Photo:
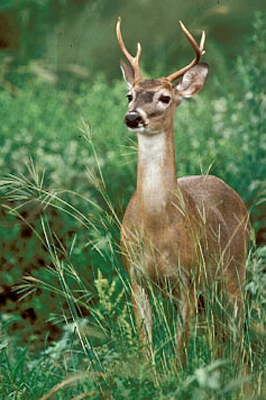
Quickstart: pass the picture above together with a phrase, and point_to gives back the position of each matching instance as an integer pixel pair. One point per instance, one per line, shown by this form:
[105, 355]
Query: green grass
[100, 355]
[68, 169]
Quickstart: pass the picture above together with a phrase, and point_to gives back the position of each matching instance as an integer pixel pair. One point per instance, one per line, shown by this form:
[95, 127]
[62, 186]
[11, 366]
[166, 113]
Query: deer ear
[128, 74]
[193, 81]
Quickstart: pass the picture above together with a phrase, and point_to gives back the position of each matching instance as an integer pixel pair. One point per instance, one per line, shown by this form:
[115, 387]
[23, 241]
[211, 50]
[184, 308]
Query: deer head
[152, 102]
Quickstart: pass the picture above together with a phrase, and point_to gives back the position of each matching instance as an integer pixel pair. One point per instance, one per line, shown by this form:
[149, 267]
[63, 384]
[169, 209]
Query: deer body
[188, 231]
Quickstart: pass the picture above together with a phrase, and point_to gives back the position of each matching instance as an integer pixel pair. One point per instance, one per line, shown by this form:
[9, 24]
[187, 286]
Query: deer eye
[129, 97]
[164, 99]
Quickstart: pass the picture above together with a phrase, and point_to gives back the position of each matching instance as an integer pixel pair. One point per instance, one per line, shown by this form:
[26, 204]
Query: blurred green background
[59, 63]
[64, 34]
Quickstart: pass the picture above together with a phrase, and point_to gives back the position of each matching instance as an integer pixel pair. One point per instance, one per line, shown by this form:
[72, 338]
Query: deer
[180, 233]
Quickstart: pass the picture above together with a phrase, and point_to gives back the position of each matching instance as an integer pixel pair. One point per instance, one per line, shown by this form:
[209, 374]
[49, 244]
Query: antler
[134, 61]
[198, 49]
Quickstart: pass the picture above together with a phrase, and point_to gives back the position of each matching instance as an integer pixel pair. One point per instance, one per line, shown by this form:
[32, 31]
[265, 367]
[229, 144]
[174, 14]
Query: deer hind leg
[226, 308]
[235, 275]
[143, 316]
[236, 299]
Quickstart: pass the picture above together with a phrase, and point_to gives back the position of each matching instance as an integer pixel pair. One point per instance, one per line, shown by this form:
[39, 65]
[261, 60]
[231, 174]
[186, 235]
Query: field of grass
[68, 169]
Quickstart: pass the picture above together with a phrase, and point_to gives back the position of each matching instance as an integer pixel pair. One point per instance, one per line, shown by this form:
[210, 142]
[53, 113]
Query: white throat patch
[151, 160]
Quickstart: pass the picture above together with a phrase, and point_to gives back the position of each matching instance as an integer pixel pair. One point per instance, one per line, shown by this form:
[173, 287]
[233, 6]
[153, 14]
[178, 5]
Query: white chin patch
[144, 130]
[141, 129]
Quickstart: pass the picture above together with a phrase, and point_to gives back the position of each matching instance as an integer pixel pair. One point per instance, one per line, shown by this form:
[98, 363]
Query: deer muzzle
[133, 120]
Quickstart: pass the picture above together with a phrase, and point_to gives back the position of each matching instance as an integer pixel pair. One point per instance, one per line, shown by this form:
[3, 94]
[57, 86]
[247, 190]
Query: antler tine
[198, 49]
[134, 61]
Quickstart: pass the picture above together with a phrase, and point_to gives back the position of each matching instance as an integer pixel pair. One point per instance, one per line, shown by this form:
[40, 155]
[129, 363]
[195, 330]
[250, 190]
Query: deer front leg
[143, 316]
[183, 308]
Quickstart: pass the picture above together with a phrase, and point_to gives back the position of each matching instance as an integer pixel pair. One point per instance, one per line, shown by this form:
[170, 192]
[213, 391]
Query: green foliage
[94, 357]
[63, 33]
[68, 168]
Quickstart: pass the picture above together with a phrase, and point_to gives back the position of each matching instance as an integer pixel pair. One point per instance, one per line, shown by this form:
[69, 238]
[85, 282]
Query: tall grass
[65, 221]
[100, 356]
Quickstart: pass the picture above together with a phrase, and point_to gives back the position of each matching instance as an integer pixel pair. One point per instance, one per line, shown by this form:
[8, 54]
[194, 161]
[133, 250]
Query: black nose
[133, 119]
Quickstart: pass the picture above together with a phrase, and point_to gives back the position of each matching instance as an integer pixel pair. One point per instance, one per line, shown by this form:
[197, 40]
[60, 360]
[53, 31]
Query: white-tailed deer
[180, 233]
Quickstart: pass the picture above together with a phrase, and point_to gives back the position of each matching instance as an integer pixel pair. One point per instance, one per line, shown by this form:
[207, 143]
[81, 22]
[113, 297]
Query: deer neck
[156, 181]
